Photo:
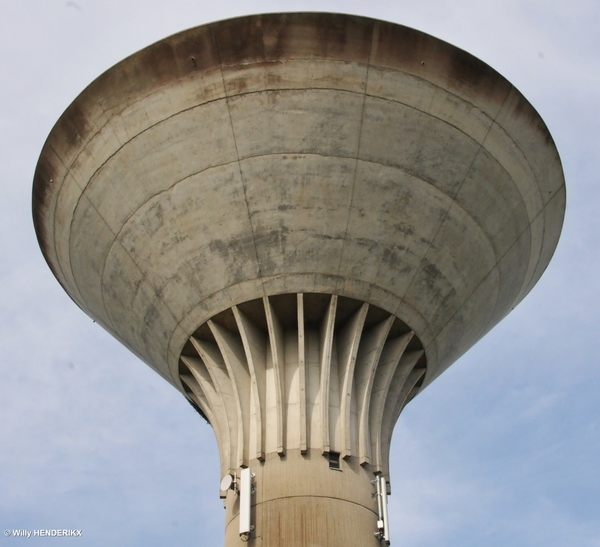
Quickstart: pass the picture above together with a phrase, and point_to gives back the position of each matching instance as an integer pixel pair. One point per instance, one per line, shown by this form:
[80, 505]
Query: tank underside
[303, 372]
[292, 153]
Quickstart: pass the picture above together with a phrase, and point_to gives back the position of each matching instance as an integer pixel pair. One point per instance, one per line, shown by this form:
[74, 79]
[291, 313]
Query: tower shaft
[299, 501]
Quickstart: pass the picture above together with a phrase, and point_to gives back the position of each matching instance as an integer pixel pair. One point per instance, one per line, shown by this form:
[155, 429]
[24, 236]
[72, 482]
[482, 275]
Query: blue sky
[502, 449]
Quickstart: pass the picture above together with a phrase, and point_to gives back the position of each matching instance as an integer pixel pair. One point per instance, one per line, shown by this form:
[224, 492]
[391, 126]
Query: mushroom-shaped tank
[299, 221]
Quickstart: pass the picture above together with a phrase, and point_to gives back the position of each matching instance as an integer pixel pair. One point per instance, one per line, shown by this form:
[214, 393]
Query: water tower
[299, 221]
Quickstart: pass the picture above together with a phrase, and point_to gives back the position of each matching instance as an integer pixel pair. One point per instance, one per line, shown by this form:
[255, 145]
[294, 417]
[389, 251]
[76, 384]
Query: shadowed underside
[294, 153]
[398, 195]
[301, 372]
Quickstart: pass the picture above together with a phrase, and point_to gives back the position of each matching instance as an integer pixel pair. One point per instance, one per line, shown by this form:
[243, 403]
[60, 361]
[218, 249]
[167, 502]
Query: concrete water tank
[299, 221]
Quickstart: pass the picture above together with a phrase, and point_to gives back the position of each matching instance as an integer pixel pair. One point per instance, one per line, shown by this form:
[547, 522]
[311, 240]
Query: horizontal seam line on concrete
[157, 289]
[429, 371]
[225, 164]
[271, 500]
[490, 272]
[226, 98]
[415, 312]
[263, 91]
[166, 86]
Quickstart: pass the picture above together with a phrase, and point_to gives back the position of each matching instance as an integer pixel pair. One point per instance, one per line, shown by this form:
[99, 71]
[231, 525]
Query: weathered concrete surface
[297, 153]
[299, 501]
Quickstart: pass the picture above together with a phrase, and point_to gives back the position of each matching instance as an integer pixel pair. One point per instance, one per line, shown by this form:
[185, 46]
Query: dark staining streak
[155, 66]
[151, 318]
[239, 42]
[73, 126]
[364, 242]
[404, 48]
[274, 80]
[219, 246]
[43, 182]
[276, 37]
[43, 179]
[521, 108]
[404, 228]
[199, 45]
[237, 86]
[325, 237]
[432, 271]
[236, 254]
[159, 63]
[400, 46]
[273, 238]
[393, 257]
[441, 312]
[468, 71]
[159, 292]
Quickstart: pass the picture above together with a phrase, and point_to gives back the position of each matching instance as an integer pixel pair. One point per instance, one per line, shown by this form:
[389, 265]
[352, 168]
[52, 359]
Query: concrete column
[300, 502]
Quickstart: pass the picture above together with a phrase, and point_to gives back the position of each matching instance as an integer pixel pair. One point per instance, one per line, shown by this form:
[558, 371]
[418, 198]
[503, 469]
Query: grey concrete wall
[299, 501]
[298, 153]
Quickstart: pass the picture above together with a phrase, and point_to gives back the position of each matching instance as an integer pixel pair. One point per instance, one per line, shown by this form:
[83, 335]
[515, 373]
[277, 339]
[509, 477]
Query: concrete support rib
[368, 364]
[386, 370]
[302, 374]
[237, 368]
[276, 345]
[224, 404]
[210, 403]
[255, 349]
[197, 396]
[404, 380]
[326, 346]
[348, 343]
[368, 359]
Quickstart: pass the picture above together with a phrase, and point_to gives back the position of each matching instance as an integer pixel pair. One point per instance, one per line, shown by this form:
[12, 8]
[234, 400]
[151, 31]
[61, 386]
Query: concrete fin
[276, 341]
[225, 402]
[404, 380]
[209, 350]
[326, 343]
[388, 363]
[348, 342]
[367, 360]
[302, 374]
[233, 355]
[199, 397]
[254, 342]
[199, 370]
[210, 403]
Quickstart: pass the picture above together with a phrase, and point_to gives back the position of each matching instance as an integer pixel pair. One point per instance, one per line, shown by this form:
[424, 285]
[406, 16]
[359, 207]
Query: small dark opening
[334, 460]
